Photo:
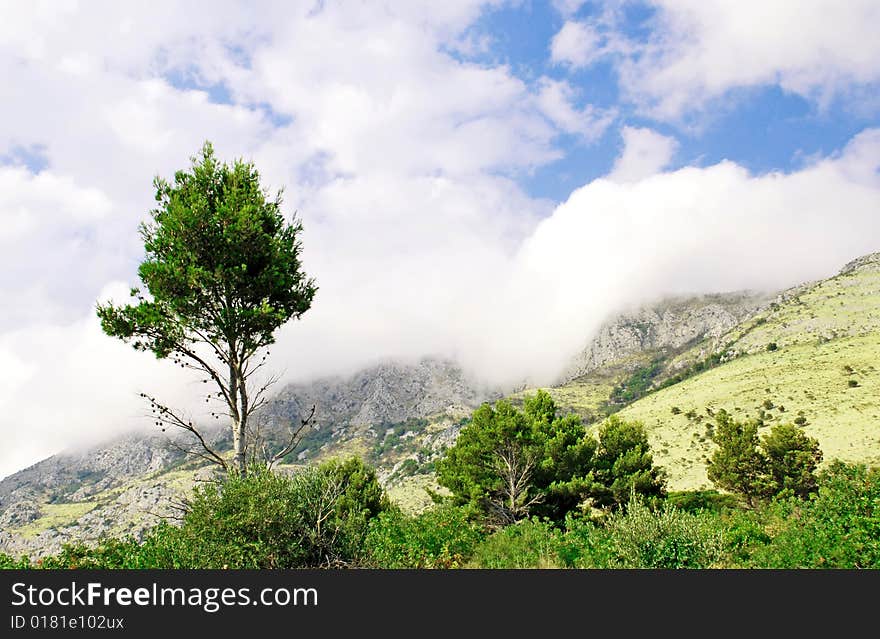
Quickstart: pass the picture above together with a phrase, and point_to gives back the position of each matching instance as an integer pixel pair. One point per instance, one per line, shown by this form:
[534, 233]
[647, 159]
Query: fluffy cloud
[699, 50]
[645, 152]
[693, 230]
[577, 44]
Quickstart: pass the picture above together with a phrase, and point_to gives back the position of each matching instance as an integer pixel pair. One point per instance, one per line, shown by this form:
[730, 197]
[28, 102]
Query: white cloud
[555, 101]
[577, 44]
[699, 50]
[568, 7]
[645, 152]
[693, 230]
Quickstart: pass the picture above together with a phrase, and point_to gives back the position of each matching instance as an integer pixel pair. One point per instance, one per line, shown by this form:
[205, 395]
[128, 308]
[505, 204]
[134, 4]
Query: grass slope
[803, 378]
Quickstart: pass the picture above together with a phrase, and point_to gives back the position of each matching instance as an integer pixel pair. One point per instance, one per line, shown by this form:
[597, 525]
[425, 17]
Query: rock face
[673, 324]
[74, 476]
[386, 393]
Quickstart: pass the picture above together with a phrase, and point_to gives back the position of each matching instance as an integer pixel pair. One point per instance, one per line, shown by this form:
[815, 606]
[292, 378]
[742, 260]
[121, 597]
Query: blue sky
[486, 181]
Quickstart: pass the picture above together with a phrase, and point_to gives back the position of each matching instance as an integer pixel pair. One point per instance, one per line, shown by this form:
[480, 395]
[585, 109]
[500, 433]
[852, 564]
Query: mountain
[126, 485]
[808, 354]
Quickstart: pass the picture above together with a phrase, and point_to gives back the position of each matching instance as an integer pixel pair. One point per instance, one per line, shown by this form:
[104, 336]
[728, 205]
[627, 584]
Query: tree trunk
[238, 449]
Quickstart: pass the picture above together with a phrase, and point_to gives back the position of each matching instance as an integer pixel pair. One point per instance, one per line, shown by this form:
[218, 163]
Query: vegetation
[222, 273]
[508, 465]
[783, 462]
[265, 520]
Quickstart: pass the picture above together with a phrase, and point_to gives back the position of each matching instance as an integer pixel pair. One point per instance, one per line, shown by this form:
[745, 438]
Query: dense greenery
[838, 526]
[443, 537]
[222, 272]
[316, 517]
[508, 465]
[781, 462]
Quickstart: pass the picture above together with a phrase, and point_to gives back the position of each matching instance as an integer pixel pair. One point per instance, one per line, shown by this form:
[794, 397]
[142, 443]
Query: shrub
[772, 347]
[695, 500]
[442, 537]
[316, 517]
[529, 543]
[664, 538]
[839, 527]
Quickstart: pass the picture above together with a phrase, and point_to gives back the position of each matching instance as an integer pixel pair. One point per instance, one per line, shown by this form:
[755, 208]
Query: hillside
[813, 354]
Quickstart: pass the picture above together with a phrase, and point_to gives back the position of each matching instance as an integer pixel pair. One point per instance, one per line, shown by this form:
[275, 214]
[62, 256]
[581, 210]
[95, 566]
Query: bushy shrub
[7, 562]
[442, 537]
[316, 517]
[527, 544]
[641, 537]
[839, 527]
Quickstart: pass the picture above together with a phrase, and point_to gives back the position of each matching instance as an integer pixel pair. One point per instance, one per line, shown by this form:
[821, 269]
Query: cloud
[576, 44]
[698, 51]
[568, 7]
[555, 101]
[694, 230]
[645, 152]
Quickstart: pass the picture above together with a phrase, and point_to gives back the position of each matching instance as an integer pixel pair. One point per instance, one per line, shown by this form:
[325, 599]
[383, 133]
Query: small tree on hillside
[791, 460]
[783, 461]
[737, 465]
[510, 464]
[623, 465]
[222, 273]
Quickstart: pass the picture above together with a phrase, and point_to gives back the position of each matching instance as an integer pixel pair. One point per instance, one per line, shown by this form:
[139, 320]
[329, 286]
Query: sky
[486, 181]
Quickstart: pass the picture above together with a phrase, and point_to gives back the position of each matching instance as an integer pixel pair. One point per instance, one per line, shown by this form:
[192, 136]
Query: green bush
[837, 528]
[527, 544]
[695, 500]
[8, 562]
[316, 517]
[442, 537]
[639, 537]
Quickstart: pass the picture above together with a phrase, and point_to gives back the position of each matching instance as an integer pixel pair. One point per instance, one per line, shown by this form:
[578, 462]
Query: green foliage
[783, 462]
[791, 461]
[221, 261]
[8, 562]
[839, 527]
[772, 347]
[737, 464]
[316, 517]
[623, 466]
[640, 537]
[222, 272]
[638, 384]
[696, 500]
[508, 464]
[530, 543]
[442, 537]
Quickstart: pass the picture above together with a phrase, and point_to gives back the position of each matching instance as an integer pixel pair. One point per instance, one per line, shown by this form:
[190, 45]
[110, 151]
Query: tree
[509, 464]
[222, 273]
[783, 461]
[623, 465]
[791, 460]
[737, 465]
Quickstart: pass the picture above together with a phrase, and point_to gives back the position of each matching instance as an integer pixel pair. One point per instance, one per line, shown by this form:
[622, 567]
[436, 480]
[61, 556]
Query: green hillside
[813, 354]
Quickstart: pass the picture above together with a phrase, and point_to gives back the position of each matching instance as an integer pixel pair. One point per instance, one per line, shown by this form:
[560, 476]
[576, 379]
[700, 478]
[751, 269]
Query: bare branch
[168, 417]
